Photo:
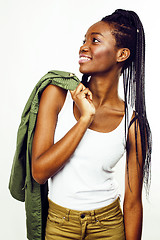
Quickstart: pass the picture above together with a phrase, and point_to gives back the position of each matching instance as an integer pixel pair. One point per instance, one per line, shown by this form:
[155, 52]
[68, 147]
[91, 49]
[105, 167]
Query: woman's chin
[84, 70]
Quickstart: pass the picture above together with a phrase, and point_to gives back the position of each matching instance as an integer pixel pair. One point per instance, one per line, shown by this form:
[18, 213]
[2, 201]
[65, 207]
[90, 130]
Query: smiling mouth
[83, 59]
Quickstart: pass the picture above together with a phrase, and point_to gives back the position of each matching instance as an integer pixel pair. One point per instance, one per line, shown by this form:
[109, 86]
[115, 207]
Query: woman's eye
[95, 40]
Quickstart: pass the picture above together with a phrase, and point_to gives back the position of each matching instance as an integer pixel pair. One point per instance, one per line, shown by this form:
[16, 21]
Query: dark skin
[97, 107]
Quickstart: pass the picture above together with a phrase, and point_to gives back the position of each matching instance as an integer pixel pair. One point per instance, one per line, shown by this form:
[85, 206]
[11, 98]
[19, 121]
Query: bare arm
[133, 210]
[47, 157]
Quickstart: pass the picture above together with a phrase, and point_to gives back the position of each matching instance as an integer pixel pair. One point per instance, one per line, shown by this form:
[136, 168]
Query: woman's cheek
[104, 53]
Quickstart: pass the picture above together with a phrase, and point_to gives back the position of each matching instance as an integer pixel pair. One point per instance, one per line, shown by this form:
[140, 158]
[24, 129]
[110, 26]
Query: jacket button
[82, 215]
[71, 74]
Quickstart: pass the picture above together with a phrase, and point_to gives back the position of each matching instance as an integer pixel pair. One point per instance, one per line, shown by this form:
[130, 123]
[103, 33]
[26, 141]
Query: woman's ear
[123, 54]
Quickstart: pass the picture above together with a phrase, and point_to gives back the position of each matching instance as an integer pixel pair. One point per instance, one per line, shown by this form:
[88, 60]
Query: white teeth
[86, 58]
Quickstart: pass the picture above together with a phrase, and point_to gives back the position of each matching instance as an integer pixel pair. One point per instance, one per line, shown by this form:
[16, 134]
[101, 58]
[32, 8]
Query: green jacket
[21, 185]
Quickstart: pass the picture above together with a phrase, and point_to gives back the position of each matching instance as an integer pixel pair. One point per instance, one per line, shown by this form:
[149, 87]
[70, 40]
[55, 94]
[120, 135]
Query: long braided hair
[129, 33]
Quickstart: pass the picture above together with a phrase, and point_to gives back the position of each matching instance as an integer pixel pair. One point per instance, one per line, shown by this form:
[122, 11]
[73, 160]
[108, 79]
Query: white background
[41, 35]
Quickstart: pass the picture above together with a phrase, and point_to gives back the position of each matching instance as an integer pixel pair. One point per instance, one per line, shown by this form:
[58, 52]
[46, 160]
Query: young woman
[87, 131]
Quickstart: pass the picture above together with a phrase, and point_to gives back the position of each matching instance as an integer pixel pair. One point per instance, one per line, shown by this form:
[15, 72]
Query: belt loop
[93, 219]
[67, 214]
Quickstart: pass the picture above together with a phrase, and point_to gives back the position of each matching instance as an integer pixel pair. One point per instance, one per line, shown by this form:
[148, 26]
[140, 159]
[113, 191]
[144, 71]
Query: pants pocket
[112, 221]
[55, 219]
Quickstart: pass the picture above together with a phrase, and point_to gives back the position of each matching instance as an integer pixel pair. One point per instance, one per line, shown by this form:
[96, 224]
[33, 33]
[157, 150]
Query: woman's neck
[104, 88]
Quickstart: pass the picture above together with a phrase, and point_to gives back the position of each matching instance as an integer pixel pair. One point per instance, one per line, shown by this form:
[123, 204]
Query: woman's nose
[84, 48]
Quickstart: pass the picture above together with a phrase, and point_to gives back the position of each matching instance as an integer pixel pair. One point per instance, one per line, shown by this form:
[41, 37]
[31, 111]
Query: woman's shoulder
[53, 97]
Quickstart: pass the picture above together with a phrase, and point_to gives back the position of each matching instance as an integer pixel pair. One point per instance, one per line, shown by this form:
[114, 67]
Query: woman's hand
[82, 97]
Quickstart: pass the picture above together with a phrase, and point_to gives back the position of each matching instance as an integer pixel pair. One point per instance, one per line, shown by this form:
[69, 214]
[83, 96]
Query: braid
[129, 33]
[85, 80]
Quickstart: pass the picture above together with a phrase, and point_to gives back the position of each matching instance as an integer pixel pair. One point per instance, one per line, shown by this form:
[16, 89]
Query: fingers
[81, 91]
[82, 97]
[78, 89]
[87, 93]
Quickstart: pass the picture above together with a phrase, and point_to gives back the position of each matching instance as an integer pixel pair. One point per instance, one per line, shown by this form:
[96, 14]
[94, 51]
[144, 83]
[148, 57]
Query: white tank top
[86, 182]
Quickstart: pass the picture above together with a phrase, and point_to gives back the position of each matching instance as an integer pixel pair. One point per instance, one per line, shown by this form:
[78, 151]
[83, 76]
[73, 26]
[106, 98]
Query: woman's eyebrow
[96, 33]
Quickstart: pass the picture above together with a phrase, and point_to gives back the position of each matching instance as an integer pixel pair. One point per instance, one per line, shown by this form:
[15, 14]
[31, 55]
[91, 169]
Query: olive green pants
[104, 223]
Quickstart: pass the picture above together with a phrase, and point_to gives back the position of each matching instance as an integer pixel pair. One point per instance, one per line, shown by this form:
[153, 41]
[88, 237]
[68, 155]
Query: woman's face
[98, 54]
